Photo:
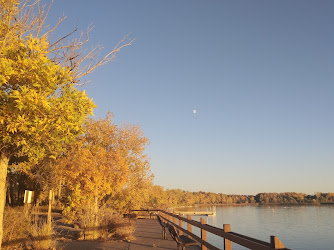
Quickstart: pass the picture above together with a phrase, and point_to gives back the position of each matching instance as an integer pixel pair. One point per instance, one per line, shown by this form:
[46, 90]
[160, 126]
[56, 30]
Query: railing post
[276, 243]
[203, 234]
[227, 243]
[180, 224]
[189, 225]
[174, 219]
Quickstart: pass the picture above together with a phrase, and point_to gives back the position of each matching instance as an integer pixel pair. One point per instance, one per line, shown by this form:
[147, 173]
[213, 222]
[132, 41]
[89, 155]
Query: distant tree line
[177, 197]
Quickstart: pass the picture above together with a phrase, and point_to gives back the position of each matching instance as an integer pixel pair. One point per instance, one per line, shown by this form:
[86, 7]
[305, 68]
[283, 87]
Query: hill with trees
[178, 197]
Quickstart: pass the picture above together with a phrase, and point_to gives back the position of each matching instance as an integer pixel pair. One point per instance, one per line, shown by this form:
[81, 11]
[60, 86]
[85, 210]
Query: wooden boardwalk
[148, 234]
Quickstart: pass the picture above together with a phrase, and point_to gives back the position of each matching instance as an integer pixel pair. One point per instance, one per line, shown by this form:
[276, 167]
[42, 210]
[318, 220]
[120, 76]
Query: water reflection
[298, 227]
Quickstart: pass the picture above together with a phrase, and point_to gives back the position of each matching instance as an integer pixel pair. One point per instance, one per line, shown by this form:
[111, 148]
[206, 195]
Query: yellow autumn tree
[135, 193]
[158, 197]
[41, 111]
[104, 162]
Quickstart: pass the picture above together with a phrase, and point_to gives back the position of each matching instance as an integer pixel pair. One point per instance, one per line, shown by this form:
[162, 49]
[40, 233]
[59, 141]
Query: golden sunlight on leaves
[41, 110]
[107, 165]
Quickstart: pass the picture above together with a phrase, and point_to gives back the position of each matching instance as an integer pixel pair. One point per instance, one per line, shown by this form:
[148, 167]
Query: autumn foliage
[46, 137]
[48, 140]
[159, 197]
[104, 167]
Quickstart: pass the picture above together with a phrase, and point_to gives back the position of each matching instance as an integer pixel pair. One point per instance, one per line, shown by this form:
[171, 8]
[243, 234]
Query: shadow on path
[147, 235]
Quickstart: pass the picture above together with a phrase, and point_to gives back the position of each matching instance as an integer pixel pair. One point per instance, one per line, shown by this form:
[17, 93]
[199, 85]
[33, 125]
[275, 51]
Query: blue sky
[259, 73]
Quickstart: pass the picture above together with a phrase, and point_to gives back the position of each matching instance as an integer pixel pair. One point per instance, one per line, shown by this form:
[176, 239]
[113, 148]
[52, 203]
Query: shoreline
[252, 204]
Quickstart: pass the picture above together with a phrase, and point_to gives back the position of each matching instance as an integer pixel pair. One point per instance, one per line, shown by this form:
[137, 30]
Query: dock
[199, 213]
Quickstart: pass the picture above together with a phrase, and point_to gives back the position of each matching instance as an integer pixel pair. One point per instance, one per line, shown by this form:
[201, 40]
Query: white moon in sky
[194, 111]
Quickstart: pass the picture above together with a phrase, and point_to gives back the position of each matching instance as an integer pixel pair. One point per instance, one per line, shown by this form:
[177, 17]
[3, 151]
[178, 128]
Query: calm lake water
[298, 227]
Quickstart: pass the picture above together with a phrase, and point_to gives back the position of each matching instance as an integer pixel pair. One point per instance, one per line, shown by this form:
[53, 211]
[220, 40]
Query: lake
[297, 226]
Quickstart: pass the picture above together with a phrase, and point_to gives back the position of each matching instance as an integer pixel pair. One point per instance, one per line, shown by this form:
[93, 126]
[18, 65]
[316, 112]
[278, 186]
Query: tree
[106, 164]
[131, 143]
[158, 197]
[41, 111]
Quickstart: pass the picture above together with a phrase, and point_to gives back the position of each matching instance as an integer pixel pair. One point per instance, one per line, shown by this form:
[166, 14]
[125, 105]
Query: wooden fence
[227, 235]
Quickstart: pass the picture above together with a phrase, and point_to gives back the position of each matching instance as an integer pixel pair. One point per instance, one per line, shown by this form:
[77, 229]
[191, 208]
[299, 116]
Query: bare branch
[66, 51]
[64, 37]
[124, 42]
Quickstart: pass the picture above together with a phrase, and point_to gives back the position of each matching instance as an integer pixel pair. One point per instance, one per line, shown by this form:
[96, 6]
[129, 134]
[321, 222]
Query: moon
[194, 111]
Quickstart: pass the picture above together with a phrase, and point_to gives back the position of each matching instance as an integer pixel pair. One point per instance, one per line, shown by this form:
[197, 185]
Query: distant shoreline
[256, 204]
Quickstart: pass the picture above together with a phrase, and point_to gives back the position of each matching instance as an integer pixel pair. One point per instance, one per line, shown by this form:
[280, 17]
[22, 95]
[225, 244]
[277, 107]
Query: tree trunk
[50, 208]
[11, 194]
[4, 159]
[7, 193]
[96, 224]
[59, 190]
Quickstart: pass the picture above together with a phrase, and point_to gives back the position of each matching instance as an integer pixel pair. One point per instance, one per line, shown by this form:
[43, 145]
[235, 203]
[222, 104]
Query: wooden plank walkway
[147, 233]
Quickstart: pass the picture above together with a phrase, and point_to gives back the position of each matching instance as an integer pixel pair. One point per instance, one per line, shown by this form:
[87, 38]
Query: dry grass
[105, 225]
[23, 232]
[41, 235]
[114, 226]
[89, 220]
[15, 228]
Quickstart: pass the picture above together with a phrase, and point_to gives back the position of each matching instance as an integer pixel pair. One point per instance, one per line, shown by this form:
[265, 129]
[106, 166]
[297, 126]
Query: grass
[114, 226]
[105, 225]
[24, 231]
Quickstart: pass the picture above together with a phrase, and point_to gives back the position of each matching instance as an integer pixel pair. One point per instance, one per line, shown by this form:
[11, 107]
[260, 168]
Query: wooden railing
[227, 235]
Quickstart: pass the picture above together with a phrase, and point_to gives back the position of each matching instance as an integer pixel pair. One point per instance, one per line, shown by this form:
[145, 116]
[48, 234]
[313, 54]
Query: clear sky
[260, 75]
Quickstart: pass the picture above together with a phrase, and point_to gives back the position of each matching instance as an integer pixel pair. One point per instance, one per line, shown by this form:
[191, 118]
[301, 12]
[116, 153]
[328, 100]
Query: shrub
[16, 225]
[41, 235]
[105, 224]
[22, 231]
[114, 226]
